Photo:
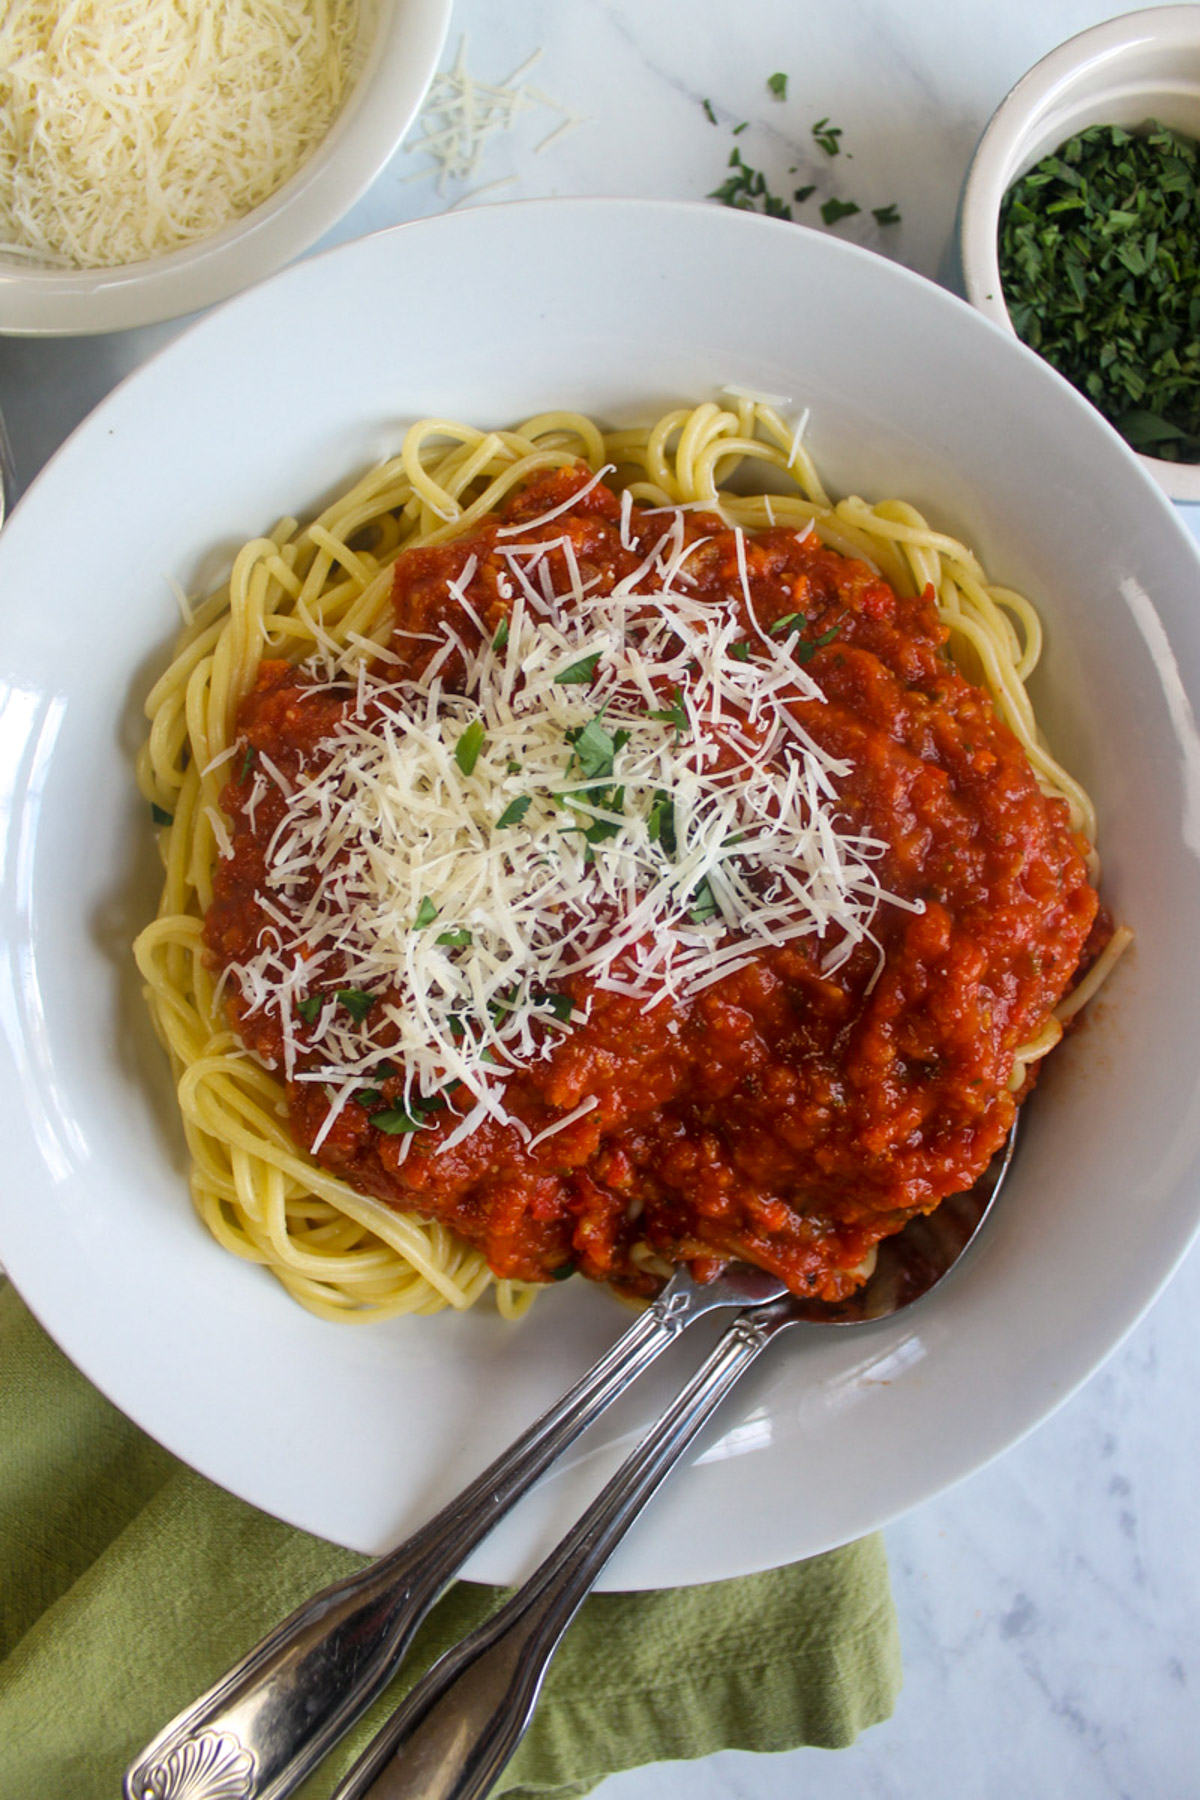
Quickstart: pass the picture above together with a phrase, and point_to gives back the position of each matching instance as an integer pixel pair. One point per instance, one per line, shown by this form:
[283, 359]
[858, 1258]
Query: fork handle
[453, 1735]
[264, 1726]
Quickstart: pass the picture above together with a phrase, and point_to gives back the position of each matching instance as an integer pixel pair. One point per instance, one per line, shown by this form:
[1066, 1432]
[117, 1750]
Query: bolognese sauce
[817, 1087]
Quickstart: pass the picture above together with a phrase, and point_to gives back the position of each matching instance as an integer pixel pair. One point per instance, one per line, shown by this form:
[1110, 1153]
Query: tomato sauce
[783, 1116]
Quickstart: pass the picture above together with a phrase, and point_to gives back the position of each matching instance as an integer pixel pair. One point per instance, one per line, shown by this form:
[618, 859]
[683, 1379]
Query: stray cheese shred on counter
[129, 128]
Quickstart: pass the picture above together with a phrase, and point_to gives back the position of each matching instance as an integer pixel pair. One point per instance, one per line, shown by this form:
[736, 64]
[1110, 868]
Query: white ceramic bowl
[358, 1433]
[1144, 65]
[400, 42]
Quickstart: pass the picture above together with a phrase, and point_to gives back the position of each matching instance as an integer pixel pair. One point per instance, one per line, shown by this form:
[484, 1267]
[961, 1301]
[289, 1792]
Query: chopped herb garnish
[561, 1005]
[801, 194]
[709, 114]
[835, 209]
[309, 1008]
[703, 906]
[738, 129]
[827, 136]
[160, 815]
[457, 939]
[777, 85]
[787, 622]
[740, 651]
[660, 821]
[395, 1120]
[579, 672]
[500, 640]
[515, 811]
[562, 1272]
[413, 1117]
[886, 215]
[357, 1003]
[1100, 263]
[747, 189]
[426, 913]
[466, 751]
[595, 747]
[247, 763]
[675, 715]
[807, 648]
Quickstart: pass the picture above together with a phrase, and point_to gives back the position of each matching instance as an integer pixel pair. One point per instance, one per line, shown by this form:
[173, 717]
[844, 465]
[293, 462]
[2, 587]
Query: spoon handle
[454, 1734]
[263, 1727]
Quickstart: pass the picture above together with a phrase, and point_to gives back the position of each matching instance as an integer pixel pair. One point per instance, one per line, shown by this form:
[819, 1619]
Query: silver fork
[265, 1724]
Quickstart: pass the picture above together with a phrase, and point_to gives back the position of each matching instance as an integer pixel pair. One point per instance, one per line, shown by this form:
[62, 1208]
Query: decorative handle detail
[208, 1767]
[289, 1700]
[453, 1735]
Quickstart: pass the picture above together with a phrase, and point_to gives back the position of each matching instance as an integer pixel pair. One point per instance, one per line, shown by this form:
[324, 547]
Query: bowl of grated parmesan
[157, 156]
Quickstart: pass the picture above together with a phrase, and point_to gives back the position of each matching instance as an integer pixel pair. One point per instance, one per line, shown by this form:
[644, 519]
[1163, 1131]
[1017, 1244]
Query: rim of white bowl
[1078, 83]
[407, 38]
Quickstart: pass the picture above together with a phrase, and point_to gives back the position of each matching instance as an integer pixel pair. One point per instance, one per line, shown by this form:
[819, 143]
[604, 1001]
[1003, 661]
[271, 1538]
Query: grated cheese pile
[618, 792]
[129, 128]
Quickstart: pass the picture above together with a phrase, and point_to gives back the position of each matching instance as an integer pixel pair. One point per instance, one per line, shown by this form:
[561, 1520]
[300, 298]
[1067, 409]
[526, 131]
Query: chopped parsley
[703, 905]
[160, 815]
[579, 673]
[675, 715]
[777, 85]
[747, 189]
[560, 1005]
[660, 821]
[501, 638]
[466, 751]
[828, 137]
[595, 748]
[834, 209]
[1100, 265]
[414, 1117]
[357, 1003]
[709, 114]
[426, 913]
[807, 648]
[515, 811]
[458, 939]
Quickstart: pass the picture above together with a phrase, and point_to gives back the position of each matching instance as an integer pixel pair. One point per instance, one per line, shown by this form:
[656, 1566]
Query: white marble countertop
[1049, 1606]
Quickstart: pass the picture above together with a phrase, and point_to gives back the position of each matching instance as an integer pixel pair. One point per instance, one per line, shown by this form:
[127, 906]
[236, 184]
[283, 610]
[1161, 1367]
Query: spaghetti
[322, 1121]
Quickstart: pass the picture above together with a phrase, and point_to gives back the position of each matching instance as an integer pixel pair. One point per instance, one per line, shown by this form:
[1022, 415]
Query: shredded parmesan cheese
[613, 793]
[461, 115]
[129, 128]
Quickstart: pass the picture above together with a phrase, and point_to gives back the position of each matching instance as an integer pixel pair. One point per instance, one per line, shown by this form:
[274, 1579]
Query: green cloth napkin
[128, 1583]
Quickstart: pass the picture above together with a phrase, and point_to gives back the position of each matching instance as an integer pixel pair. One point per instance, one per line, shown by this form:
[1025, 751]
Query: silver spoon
[453, 1735]
[265, 1724]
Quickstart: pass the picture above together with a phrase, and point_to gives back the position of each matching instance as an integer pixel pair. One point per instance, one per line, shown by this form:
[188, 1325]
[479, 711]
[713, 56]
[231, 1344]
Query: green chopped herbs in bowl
[1099, 248]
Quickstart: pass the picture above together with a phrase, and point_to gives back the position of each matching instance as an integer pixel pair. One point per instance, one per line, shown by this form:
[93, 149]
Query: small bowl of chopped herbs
[1080, 228]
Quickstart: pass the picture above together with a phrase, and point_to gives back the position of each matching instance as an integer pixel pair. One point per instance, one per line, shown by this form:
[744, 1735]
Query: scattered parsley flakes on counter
[1100, 265]
[827, 136]
[835, 209]
[748, 189]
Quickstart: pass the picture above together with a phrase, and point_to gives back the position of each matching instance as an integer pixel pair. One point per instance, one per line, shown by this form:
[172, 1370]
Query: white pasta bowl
[1127, 71]
[359, 1433]
[394, 60]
